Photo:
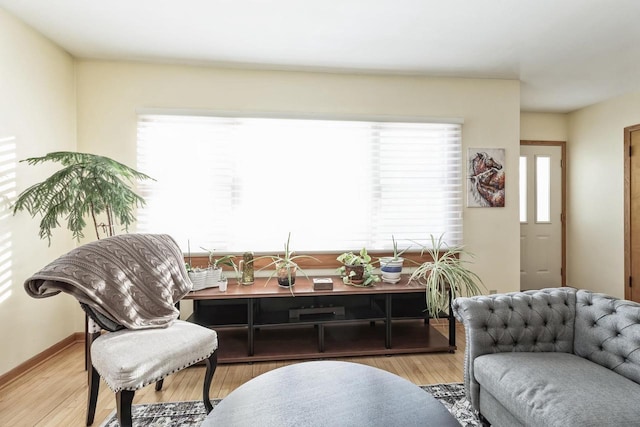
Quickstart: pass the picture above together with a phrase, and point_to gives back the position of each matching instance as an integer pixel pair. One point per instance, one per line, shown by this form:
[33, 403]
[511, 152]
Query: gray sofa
[555, 357]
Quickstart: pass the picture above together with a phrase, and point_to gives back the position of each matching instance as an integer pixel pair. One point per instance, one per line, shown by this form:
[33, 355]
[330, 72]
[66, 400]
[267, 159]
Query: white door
[540, 216]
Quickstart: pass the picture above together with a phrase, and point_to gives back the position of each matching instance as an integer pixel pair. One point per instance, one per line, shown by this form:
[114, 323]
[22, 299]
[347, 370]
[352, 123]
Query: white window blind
[242, 184]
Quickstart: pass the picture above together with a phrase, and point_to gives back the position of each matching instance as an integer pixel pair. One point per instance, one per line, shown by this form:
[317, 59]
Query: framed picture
[485, 186]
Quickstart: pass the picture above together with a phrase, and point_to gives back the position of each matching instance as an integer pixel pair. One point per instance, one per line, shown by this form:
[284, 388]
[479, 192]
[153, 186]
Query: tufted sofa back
[539, 321]
[607, 332]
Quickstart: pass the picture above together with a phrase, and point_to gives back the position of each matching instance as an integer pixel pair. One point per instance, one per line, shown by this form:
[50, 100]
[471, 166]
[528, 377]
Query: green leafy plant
[227, 260]
[446, 272]
[88, 185]
[191, 269]
[285, 265]
[357, 269]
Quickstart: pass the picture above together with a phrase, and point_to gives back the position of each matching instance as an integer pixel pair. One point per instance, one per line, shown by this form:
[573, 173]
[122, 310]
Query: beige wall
[595, 187]
[37, 115]
[595, 255]
[544, 126]
[44, 84]
[110, 94]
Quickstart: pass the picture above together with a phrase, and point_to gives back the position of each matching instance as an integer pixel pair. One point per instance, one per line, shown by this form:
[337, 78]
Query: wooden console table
[264, 322]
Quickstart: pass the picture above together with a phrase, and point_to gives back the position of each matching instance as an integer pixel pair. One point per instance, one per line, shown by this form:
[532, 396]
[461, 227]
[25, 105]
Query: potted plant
[445, 273]
[87, 185]
[391, 267]
[357, 269]
[285, 266]
[197, 275]
[214, 269]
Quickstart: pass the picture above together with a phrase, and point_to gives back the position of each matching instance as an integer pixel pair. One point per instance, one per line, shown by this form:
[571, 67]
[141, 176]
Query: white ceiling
[567, 53]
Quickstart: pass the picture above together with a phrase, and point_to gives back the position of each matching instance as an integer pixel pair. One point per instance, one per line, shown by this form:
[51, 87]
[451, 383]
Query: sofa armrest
[530, 321]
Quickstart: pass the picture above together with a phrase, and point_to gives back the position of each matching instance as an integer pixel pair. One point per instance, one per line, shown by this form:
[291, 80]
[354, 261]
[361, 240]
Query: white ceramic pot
[198, 278]
[391, 269]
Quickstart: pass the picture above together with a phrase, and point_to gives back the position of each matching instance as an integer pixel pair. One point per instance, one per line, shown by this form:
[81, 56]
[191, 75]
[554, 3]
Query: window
[523, 189]
[543, 189]
[233, 184]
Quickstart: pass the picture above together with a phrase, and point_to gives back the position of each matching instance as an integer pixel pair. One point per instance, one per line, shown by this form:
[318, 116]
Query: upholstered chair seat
[129, 360]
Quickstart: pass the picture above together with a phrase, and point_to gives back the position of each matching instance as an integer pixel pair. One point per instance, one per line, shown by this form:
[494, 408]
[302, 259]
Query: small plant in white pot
[391, 266]
[445, 273]
[214, 270]
[357, 269]
[197, 275]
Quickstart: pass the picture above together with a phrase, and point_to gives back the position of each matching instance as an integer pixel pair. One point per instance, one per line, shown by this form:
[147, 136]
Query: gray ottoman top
[329, 393]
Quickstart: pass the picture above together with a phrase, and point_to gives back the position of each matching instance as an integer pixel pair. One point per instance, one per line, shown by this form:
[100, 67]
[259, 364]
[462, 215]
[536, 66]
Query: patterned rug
[191, 414]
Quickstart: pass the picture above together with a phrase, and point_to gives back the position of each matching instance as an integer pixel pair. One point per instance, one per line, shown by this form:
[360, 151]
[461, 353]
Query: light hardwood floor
[54, 393]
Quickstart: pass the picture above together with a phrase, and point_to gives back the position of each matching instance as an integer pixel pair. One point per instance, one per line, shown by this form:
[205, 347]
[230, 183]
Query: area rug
[191, 414]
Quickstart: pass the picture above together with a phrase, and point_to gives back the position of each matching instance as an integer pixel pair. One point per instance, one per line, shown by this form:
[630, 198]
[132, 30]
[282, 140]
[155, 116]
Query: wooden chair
[129, 286]
[128, 360]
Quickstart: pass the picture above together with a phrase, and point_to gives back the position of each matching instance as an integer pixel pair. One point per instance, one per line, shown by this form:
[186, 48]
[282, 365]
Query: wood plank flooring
[54, 393]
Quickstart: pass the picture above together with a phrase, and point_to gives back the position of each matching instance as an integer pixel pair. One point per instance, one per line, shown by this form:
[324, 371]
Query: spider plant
[285, 265]
[223, 260]
[396, 253]
[446, 272]
[214, 270]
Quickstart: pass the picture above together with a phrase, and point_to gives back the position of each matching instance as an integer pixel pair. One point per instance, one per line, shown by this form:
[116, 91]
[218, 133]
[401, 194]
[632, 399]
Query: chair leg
[87, 344]
[124, 400]
[92, 398]
[484, 421]
[159, 384]
[212, 364]
[89, 339]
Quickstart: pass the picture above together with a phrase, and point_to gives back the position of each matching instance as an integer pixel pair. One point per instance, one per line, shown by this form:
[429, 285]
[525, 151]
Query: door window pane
[523, 188]
[543, 189]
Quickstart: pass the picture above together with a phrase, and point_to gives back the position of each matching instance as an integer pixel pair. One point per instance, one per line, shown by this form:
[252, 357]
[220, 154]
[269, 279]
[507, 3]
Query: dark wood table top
[263, 288]
[329, 393]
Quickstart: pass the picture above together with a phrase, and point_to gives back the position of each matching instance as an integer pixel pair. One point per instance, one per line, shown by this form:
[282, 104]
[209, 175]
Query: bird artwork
[486, 178]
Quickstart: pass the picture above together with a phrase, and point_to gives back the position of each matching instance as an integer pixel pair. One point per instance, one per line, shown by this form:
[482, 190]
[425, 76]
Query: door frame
[627, 209]
[563, 206]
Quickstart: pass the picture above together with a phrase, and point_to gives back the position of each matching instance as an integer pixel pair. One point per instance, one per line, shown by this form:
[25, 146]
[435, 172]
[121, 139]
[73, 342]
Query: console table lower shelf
[267, 323]
[340, 341]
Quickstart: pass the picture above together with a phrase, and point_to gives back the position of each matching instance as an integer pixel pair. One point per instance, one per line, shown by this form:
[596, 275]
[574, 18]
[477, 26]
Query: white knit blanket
[132, 279]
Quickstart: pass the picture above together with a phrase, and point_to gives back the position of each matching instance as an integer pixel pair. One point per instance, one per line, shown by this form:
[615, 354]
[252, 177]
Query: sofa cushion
[558, 389]
[540, 321]
[607, 332]
[495, 411]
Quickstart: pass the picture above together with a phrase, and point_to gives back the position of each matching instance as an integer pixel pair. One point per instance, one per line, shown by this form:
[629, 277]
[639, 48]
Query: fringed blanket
[132, 279]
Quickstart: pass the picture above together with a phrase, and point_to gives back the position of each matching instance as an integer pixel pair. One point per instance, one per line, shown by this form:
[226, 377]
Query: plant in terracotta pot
[357, 269]
[391, 266]
[445, 273]
[286, 266]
